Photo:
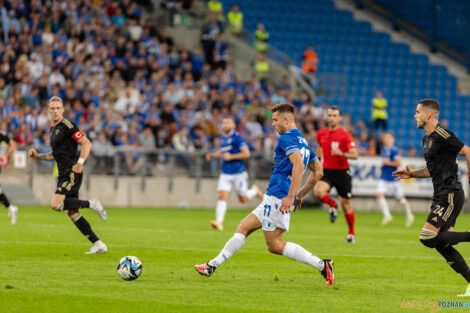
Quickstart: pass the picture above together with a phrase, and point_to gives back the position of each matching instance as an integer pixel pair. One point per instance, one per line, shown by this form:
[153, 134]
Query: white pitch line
[120, 246]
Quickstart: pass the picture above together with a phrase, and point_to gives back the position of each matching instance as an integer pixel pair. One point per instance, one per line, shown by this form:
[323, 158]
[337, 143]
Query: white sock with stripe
[295, 252]
[231, 247]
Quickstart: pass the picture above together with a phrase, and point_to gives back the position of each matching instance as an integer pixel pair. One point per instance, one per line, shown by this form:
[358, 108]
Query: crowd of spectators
[125, 83]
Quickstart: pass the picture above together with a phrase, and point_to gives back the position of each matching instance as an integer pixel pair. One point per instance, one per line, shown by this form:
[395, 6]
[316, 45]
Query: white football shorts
[269, 216]
[390, 188]
[238, 181]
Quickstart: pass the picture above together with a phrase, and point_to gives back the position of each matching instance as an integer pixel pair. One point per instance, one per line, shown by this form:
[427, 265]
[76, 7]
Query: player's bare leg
[350, 218]
[387, 217]
[220, 210]
[248, 225]
[443, 240]
[276, 244]
[57, 204]
[321, 190]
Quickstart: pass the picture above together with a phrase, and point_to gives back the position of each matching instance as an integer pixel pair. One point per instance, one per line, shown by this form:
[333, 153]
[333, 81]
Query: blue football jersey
[289, 142]
[232, 143]
[390, 154]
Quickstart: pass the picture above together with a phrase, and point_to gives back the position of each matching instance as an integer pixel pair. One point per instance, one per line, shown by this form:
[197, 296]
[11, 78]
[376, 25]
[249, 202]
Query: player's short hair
[335, 108]
[55, 99]
[283, 108]
[430, 104]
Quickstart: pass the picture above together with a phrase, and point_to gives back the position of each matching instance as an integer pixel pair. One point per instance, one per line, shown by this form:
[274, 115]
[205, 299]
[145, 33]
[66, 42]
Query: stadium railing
[146, 163]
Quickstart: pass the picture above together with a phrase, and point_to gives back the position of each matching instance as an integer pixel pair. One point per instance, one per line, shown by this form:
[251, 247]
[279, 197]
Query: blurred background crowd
[126, 83]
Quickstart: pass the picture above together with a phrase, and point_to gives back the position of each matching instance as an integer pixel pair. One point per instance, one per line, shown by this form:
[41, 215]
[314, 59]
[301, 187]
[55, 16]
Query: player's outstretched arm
[465, 151]
[297, 172]
[33, 154]
[10, 149]
[315, 175]
[243, 154]
[84, 153]
[406, 173]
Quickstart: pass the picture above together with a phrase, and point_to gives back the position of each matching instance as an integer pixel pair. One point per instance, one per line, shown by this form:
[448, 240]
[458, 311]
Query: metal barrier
[142, 162]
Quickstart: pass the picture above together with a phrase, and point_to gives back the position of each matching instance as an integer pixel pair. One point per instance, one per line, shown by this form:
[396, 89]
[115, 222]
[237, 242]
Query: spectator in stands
[261, 67]
[411, 151]
[310, 60]
[379, 111]
[261, 38]
[102, 154]
[182, 143]
[210, 32]
[216, 8]
[235, 20]
[444, 123]
[363, 144]
[221, 52]
[360, 128]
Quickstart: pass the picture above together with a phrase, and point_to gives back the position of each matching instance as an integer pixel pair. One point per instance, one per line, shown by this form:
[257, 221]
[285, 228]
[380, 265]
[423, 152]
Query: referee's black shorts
[445, 209]
[340, 179]
[69, 184]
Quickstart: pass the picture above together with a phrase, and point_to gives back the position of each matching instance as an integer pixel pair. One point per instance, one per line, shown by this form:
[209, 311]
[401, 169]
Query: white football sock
[384, 207]
[220, 210]
[251, 193]
[406, 205]
[231, 247]
[295, 252]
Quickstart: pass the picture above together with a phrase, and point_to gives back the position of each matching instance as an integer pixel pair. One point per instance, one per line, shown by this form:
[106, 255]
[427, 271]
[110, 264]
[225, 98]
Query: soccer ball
[129, 268]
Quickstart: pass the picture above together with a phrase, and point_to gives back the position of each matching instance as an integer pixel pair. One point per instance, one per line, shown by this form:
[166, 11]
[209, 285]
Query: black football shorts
[445, 209]
[340, 179]
[69, 184]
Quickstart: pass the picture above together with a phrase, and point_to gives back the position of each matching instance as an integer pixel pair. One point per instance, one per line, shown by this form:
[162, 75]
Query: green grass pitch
[43, 267]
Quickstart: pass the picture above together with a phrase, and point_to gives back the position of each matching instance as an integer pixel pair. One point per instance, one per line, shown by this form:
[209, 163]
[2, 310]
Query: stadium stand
[452, 20]
[368, 60]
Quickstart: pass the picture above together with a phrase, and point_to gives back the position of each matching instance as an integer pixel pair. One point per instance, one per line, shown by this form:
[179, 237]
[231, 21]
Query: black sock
[452, 238]
[75, 204]
[456, 261]
[83, 225]
[4, 200]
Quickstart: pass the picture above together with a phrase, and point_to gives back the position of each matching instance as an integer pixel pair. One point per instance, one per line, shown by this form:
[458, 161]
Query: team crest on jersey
[334, 145]
[430, 144]
[57, 132]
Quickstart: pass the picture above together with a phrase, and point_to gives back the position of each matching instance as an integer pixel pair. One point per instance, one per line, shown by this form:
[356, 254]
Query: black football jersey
[64, 138]
[441, 148]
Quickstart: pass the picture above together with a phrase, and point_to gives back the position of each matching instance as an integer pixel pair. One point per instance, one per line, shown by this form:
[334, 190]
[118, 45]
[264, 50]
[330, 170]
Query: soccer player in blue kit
[233, 150]
[291, 157]
[388, 185]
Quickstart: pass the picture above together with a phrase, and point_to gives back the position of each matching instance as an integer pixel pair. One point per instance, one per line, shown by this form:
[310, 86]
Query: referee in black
[441, 148]
[65, 138]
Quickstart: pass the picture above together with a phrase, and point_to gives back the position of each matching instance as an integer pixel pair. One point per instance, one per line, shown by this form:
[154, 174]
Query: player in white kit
[291, 157]
[388, 185]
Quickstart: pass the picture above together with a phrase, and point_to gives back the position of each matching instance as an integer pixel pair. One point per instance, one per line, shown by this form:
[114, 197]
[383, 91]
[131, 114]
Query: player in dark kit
[12, 210]
[441, 148]
[65, 138]
[336, 147]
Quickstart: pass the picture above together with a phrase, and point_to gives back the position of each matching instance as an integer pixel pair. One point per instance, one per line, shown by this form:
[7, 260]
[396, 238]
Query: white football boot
[98, 247]
[98, 207]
